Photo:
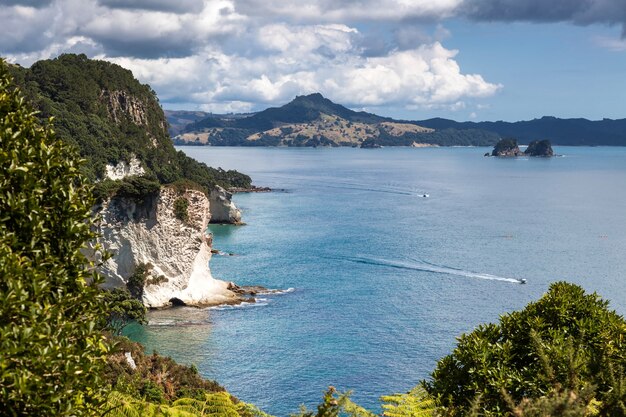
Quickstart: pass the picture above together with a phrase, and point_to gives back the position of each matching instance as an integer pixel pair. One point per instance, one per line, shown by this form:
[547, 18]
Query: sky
[409, 59]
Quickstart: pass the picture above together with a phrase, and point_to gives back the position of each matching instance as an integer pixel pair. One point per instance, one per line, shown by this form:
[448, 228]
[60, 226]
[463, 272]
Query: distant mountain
[313, 120]
[178, 120]
[578, 132]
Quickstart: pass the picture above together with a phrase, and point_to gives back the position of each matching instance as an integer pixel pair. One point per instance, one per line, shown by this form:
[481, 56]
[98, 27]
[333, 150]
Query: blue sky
[409, 59]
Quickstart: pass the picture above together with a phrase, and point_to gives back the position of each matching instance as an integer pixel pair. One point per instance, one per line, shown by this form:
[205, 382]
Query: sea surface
[381, 279]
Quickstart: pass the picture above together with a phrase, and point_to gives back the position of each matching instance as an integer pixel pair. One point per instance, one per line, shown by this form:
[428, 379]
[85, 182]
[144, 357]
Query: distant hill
[178, 120]
[313, 120]
[576, 132]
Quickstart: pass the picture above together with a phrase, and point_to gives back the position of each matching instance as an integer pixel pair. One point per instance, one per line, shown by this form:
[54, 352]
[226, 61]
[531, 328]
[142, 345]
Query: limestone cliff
[119, 128]
[123, 169]
[176, 252]
[223, 210]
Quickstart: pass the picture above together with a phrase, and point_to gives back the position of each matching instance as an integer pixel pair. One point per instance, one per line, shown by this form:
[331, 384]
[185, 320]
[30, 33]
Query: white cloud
[612, 44]
[349, 10]
[225, 54]
[423, 77]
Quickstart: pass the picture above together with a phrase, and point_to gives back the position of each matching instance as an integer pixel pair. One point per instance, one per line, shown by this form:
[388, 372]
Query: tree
[51, 352]
[566, 342]
[122, 308]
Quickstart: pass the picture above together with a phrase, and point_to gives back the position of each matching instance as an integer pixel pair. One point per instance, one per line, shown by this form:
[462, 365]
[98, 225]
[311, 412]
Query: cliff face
[223, 210]
[118, 126]
[176, 252]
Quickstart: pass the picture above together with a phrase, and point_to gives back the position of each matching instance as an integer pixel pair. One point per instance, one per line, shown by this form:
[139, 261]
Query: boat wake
[420, 265]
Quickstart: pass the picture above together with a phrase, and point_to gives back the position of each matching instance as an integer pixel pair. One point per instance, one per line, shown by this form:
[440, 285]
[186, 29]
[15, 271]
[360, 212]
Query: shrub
[181, 206]
[567, 339]
[137, 281]
[51, 353]
[122, 308]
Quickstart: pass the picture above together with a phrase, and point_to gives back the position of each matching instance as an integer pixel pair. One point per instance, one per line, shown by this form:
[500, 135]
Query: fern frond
[245, 409]
[415, 403]
[354, 410]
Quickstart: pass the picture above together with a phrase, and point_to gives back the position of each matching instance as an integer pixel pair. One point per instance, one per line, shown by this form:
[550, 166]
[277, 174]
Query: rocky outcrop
[223, 210]
[120, 103]
[539, 148]
[123, 169]
[176, 253]
[506, 147]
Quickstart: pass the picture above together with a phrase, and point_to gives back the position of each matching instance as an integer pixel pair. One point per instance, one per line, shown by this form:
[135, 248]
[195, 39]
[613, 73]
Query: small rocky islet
[509, 148]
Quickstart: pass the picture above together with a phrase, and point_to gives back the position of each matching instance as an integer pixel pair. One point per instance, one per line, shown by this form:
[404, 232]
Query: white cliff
[123, 169]
[176, 252]
[223, 210]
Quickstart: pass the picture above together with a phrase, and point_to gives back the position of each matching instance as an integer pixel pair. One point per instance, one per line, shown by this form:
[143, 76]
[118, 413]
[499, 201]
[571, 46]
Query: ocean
[381, 279]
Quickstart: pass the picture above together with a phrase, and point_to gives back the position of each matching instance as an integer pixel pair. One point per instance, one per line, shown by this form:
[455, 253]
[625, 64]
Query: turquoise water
[385, 279]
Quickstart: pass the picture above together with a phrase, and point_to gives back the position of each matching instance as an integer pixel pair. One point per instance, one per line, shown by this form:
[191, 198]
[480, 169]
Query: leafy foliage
[218, 404]
[137, 281]
[511, 356]
[51, 354]
[415, 403]
[155, 376]
[122, 309]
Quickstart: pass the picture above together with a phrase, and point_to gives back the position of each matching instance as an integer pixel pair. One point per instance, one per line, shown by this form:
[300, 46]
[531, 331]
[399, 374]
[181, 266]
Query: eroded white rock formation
[223, 210]
[176, 252]
[123, 169]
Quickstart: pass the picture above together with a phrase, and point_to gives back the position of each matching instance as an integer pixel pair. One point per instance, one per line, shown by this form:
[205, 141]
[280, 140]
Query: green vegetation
[567, 341]
[155, 376]
[505, 145]
[570, 132]
[122, 309]
[181, 207]
[51, 354]
[138, 279]
[103, 111]
[539, 148]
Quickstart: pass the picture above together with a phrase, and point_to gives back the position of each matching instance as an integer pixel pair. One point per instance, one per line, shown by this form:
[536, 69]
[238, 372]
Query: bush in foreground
[566, 343]
[50, 351]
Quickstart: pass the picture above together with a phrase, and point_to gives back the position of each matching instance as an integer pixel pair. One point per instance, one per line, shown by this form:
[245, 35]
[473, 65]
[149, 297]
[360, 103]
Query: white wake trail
[429, 267]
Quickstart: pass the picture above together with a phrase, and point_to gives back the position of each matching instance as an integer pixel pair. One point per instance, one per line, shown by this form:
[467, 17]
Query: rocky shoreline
[253, 189]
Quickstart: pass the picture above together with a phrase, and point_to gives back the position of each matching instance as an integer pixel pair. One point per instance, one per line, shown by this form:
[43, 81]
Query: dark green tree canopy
[582, 342]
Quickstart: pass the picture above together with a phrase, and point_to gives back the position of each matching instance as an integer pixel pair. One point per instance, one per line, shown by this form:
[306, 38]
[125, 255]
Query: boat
[522, 280]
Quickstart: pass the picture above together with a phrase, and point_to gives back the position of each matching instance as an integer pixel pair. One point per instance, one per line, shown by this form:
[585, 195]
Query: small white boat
[425, 195]
[522, 280]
